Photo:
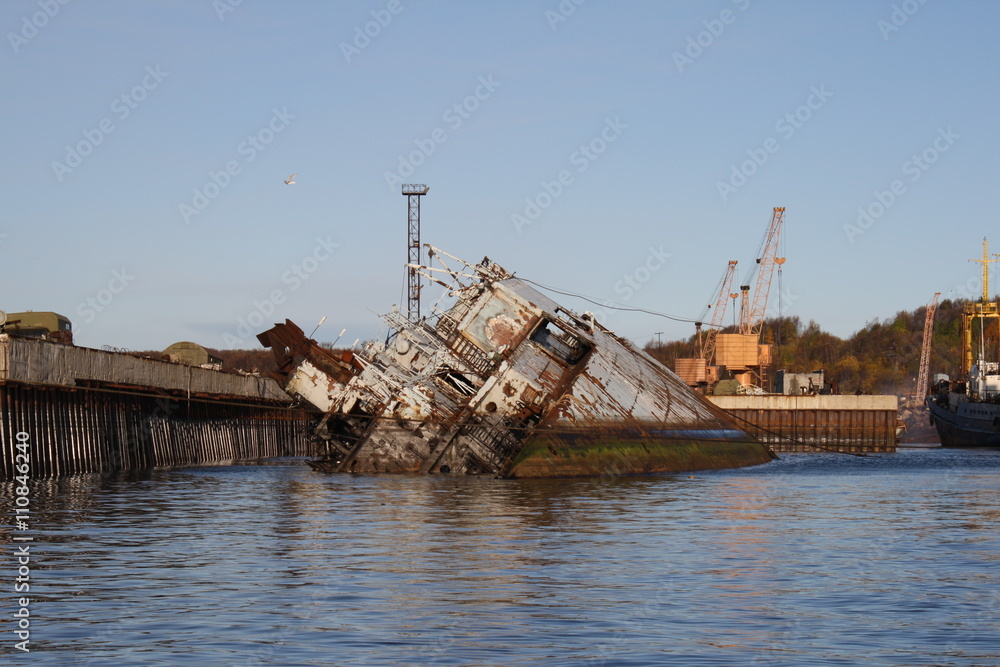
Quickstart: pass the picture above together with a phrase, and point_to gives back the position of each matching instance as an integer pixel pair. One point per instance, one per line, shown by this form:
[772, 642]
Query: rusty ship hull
[504, 382]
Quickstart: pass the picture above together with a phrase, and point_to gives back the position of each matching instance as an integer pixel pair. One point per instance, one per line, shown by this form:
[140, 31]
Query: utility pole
[413, 193]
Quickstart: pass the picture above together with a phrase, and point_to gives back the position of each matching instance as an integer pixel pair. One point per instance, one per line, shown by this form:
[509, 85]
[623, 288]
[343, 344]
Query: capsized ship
[504, 382]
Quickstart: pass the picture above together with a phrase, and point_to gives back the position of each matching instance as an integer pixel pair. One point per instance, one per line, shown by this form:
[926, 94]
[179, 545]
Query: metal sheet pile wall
[794, 423]
[74, 431]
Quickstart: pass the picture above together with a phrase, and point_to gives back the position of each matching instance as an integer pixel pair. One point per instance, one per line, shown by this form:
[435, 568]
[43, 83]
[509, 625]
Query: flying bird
[291, 180]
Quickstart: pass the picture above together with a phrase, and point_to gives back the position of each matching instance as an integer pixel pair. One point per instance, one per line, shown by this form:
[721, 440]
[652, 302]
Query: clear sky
[624, 151]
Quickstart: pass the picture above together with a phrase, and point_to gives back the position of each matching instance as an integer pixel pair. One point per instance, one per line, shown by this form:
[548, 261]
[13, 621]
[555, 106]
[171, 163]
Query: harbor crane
[925, 349]
[719, 312]
[695, 370]
[752, 317]
[740, 352]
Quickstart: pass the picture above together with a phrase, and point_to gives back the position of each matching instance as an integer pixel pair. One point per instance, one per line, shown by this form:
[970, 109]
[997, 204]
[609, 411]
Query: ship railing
[464, 349]
[497, 446]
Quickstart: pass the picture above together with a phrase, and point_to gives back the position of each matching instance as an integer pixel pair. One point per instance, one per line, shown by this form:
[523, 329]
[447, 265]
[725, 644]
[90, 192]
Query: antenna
[342, 332]
[318, 326]
[413, 194]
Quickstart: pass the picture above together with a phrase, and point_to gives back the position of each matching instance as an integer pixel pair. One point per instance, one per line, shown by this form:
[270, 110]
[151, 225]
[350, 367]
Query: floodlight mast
[413, 193]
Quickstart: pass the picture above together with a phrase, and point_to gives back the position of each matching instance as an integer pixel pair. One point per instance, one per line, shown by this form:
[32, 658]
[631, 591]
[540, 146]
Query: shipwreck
[500, 380]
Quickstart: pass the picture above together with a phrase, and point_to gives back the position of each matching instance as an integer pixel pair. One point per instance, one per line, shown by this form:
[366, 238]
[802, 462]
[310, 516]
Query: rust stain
[502, 330]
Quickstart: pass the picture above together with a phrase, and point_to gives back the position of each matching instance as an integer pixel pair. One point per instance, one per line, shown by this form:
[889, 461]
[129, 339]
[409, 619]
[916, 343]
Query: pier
[810, 423]
[92, 411]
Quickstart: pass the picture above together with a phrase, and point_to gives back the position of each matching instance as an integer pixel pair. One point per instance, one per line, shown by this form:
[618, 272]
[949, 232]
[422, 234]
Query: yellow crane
[983, 311]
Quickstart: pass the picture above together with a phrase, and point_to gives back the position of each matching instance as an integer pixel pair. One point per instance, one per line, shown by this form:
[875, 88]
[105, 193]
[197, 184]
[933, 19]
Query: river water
[816, 559]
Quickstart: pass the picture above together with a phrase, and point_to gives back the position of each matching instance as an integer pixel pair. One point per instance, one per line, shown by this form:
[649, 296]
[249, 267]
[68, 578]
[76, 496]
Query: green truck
[37, 324]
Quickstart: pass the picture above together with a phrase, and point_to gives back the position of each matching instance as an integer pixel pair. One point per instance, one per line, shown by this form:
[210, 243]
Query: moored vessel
[966, 413]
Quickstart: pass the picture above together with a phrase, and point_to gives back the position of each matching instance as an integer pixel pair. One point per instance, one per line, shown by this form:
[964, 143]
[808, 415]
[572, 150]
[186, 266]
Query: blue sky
[145, 145]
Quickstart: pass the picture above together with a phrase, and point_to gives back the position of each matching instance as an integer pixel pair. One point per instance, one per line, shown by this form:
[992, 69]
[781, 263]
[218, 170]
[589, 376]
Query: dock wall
[793, 423]
[73, 431]
[44, 362]
[90, 411]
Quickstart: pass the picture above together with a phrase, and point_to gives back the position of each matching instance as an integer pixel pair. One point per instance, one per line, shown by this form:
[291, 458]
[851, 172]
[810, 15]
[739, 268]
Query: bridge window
[559, 342]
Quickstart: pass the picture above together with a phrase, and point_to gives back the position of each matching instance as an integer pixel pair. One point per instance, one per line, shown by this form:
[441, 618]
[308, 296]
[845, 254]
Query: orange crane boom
[925, 349]
[720, 311]
[752, 318]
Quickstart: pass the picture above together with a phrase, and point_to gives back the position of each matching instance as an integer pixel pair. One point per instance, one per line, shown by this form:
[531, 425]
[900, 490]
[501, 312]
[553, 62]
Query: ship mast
[983, 310]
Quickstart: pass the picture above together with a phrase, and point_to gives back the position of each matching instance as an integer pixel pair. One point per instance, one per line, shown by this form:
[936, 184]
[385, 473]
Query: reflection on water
[814, 559]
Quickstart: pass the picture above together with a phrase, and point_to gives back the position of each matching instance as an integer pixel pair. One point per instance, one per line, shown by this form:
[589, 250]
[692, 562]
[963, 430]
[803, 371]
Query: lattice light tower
[413, 194]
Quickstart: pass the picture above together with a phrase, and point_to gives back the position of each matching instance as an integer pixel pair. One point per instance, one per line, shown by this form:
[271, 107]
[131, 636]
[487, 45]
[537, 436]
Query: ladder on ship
[498, 446]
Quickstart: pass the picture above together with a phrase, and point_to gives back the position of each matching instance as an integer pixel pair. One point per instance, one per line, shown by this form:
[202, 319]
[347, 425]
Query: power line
[610, 304]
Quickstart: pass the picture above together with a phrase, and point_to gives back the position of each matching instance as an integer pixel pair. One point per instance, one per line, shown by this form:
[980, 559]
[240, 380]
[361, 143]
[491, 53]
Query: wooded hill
[881, 358]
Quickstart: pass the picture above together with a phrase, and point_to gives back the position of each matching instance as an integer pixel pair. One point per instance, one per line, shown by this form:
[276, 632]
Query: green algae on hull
[594, 454]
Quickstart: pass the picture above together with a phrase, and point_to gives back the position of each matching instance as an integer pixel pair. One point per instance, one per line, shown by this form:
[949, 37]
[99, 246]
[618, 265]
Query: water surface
[816, 559]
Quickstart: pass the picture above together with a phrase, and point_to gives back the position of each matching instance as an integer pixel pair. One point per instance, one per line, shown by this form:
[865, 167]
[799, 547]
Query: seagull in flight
[291, 180]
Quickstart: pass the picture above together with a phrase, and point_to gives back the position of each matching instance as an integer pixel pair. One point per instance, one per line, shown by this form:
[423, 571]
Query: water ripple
[816, 559]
